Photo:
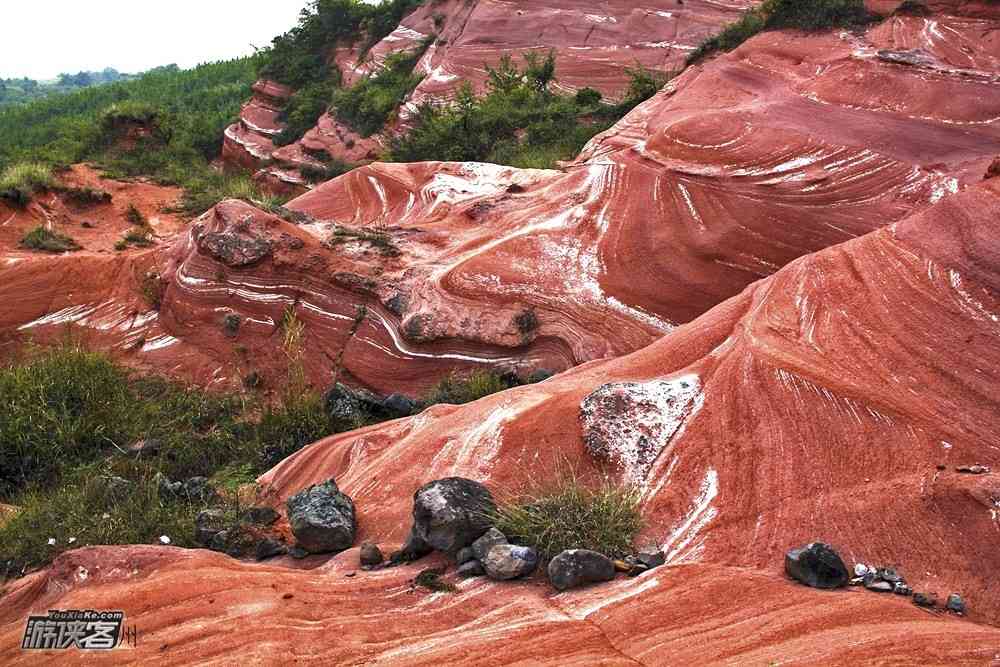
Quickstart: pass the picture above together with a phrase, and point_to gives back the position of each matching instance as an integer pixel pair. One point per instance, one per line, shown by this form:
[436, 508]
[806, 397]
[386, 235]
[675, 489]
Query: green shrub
[457, 389]
[218, 186]
[140, 237]
[61, 407]
[332, 168]
[569, 512]
[135, 216]
[518, 121]
[588, 97]
[46, 240]
[20, 182]
[368, 104]
[304, 110]
[299, 57]
[810, 15]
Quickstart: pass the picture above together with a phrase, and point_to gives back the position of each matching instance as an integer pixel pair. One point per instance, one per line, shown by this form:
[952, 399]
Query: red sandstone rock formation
[594, 42]
[822, 401]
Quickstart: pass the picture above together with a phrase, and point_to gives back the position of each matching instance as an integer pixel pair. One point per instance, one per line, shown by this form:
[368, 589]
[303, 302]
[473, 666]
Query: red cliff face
[594, 42]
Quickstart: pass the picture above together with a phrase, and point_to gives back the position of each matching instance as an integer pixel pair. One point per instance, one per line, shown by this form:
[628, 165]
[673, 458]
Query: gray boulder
[452, 513]
[651, 558]
[465, 555]
[208, 524]
[481, 547]
[414, 549]
[578, 567]
[398, 405]
[322, 518]
[269, 548]
[509, 561]
[816, 565]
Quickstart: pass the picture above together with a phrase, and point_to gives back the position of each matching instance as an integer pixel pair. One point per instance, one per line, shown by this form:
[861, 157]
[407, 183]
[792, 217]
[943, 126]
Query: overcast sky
[42, 38]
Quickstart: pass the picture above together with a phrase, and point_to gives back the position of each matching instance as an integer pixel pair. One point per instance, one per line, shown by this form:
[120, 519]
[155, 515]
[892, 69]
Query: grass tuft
[46, 240]
[569, 512]
[20, 182]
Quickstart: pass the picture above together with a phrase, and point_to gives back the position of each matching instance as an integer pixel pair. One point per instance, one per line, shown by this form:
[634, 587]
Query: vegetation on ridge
[519, 121]
[166, 125]
[811, 15]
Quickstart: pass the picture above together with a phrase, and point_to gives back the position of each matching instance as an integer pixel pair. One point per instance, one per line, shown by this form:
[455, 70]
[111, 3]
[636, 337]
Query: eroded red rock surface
[795, 251]
[788, 145]
[826, 398]
[594, 41]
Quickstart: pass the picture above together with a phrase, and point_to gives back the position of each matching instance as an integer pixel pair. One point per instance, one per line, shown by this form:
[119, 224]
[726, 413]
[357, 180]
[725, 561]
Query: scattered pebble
[164, 539]
[973, 470]
[52, 541]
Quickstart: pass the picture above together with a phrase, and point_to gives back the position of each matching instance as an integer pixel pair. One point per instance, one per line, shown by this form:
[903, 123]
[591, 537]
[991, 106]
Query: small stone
[481, 547]
[52, 542]
[973, 470]
[924, 599]
[955, 603]
[261, 516]
[370, 555]
[269, 548]
[890, 575]
[901, 588]
[164, 539]
[207, 525]
[471, 568]
[622, 566]
[464, 555]
[816, 565]
[878, 586]
[508, 561]
[578, 567]
[651, 559]
[860, 570]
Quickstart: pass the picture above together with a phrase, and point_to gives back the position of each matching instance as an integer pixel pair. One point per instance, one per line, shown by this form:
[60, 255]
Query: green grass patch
[569, 512]
[809, 15]
[459, 389]
[21, 181]
[46, 240]
[367, 105]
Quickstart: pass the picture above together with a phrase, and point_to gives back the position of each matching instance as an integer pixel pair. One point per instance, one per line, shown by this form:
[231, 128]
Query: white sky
[42, 38]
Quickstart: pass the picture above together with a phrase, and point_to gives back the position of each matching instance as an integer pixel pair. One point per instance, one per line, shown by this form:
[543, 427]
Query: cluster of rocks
[818, 565]
[348, 405]
[453, 516]
[193, 488]
[248, 535]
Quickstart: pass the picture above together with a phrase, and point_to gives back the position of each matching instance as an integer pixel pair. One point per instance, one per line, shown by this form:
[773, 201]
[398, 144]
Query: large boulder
[509, 561]
[322, 518]
[816, 565]
[578, 567]
[452, 513]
